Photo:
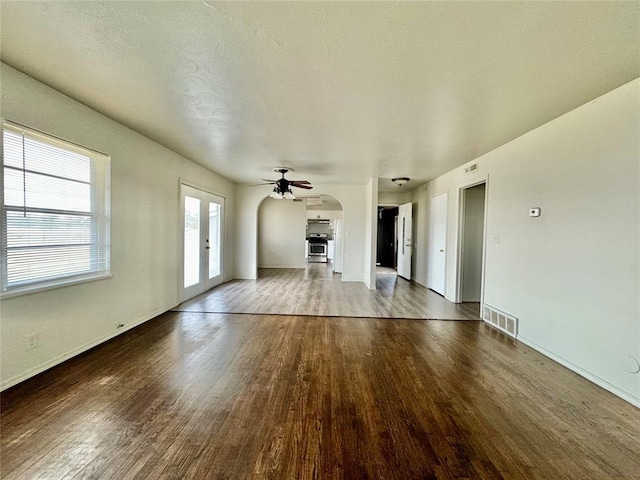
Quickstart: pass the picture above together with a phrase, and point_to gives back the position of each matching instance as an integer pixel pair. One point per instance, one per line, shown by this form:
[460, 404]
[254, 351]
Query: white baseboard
[76, 351]
[352, 279]
[582, 372]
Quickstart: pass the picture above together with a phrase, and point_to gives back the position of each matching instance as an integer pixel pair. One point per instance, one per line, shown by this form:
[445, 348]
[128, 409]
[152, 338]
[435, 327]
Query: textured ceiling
[339, 91]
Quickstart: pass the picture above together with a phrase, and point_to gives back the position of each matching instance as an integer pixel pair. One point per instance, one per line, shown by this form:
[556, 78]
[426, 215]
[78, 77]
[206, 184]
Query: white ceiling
[320, 202]
[339, 91]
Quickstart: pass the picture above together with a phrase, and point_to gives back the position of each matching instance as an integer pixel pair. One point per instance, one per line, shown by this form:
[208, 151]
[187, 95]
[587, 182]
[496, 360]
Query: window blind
[55, 211]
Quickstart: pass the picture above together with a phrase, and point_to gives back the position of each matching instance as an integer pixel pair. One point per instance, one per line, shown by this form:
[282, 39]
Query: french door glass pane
[191, 241]
[214, 239]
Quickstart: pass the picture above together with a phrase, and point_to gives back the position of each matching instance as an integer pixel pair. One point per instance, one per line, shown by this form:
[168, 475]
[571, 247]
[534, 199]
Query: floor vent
[500, 320]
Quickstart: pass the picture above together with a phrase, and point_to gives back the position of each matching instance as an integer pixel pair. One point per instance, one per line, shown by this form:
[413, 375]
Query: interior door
[405, 242]
[202, 223]
[438, 243]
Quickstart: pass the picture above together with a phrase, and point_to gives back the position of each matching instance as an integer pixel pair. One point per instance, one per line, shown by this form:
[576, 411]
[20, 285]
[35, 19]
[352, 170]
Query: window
[55, 212]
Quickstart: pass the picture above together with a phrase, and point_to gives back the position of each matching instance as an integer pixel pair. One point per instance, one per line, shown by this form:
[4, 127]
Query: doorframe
[460, 237]
[223, 256]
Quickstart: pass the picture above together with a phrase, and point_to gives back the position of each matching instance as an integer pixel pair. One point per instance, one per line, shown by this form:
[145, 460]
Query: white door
[438, 243]
[202, 224]
[405, 247]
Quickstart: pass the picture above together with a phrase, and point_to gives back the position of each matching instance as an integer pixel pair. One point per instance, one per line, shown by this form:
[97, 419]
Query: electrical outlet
[496, 238]
[33, 341]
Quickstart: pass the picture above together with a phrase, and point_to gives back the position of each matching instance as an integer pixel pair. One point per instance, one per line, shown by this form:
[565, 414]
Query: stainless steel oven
[317, 250]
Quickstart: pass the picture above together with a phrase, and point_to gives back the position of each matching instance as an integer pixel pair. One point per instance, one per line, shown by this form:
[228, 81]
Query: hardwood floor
[315, 290]
[225, 396]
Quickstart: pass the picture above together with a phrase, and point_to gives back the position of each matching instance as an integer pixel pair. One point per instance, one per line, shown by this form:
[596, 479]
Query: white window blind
[55, 212]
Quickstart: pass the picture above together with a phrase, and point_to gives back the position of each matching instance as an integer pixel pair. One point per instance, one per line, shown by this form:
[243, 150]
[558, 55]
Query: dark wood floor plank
[211, 396]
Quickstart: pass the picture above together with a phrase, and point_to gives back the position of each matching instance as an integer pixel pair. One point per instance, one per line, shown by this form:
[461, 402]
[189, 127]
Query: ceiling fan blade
[295, 184]
[270, 181]
[301, 181]
[258, 184]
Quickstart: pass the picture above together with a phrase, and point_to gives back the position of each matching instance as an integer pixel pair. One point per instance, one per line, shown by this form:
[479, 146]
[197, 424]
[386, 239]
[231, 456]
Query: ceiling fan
[281, 188]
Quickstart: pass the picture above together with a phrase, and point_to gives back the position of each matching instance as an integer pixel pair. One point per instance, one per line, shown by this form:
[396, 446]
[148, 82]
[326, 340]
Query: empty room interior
[328, 240]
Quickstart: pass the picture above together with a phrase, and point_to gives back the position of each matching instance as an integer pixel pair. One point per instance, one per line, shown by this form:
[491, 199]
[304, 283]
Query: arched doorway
[296, 233]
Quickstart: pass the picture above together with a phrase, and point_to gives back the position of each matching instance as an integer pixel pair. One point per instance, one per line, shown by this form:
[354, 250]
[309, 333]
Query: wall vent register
[471, 168]
[500, 320]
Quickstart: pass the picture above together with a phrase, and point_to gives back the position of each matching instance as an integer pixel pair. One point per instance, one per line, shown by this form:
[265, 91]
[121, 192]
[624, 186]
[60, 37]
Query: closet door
[438, 243]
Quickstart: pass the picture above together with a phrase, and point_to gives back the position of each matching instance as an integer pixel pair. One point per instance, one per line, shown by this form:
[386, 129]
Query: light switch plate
[534, 212]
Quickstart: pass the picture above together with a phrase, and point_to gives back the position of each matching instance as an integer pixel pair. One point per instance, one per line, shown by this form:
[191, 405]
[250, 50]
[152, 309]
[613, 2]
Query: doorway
[387, 250]
[472, 215]
[202, 225]
[294, 233]
[324, 232]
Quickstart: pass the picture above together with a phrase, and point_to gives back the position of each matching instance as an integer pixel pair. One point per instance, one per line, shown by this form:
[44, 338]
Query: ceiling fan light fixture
[278, 194]
[400, 181]
[281, 187]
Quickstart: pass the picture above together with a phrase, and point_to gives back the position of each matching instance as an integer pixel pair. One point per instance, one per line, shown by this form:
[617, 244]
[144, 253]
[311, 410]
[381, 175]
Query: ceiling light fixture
[400, 181]
[281, 191]
[282, 186]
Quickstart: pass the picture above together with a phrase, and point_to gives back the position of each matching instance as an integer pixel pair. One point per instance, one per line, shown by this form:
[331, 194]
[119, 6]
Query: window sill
[27, 290]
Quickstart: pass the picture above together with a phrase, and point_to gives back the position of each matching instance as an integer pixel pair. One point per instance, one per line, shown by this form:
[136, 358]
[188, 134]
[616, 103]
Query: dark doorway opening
[387, 252]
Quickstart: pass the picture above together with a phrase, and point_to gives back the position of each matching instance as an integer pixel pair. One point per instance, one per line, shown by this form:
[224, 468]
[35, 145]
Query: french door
[202, 224]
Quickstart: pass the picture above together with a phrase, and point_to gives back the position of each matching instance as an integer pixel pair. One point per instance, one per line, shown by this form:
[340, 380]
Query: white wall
[352, 198]
[144, 234]
[324, 214]
[395, 198]
[571, 276]
[281, 234]
[371, 235]
[419, 267]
